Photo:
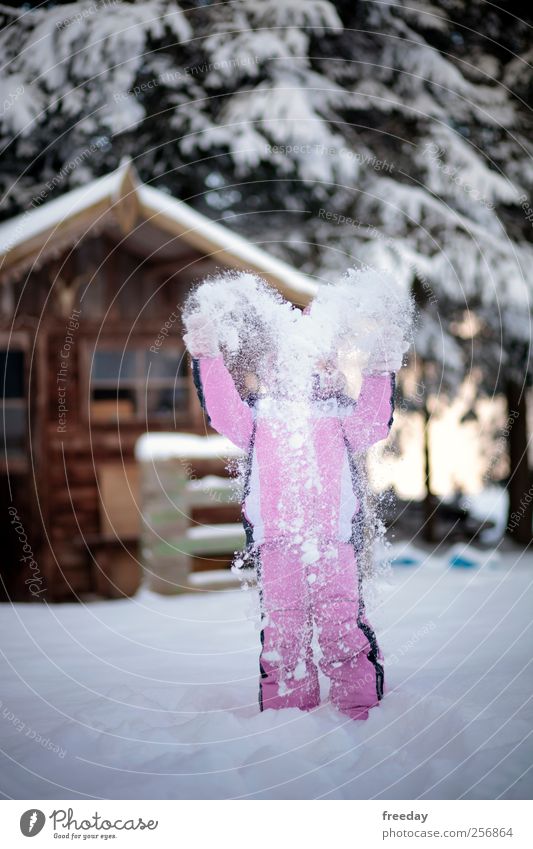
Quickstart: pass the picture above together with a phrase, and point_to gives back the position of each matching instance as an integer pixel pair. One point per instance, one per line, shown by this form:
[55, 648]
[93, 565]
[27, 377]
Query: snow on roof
[27, 236]
[201, 232]
[152, 447]
[45, 217]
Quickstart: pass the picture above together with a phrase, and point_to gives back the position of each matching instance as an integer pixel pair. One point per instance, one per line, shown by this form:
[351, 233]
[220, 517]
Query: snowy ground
[156, 698]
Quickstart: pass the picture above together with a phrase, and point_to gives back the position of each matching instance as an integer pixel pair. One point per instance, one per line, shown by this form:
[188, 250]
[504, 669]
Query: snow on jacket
[301, 477]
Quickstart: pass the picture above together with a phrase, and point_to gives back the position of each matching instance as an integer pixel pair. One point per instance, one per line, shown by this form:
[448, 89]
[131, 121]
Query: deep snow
[157, 697]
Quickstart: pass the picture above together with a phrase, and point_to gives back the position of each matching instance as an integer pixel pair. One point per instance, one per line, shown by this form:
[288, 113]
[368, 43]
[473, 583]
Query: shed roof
[120, 200]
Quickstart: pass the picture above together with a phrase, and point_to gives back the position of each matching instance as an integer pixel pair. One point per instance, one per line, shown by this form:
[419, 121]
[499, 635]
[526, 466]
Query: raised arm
[372, 416]
[226, 411]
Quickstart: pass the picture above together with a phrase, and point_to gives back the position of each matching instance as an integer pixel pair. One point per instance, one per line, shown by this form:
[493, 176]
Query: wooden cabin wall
[20, 528]
[117, 295]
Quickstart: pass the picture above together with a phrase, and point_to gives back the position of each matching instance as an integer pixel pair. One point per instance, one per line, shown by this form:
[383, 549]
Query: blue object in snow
[460, 561]
[405, 560]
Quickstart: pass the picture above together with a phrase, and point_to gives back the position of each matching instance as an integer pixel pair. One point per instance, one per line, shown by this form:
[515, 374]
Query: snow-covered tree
[394, 134]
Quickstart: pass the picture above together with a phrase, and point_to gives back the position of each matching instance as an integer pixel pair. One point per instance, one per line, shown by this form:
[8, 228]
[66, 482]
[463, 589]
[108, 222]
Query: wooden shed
[90, 348]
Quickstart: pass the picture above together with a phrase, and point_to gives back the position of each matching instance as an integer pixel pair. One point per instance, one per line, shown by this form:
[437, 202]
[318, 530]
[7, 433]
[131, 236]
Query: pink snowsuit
[307, 571]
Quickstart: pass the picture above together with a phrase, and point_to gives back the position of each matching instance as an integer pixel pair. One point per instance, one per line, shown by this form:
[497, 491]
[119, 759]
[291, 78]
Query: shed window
[14, 408]
[136, 384]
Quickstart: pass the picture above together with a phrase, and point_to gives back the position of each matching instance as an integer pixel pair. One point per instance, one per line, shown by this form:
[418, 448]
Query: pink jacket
[295, 485]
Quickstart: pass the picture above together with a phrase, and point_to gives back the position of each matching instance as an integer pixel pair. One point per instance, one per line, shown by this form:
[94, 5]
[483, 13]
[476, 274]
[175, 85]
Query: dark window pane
[113, 365]
[163, 402]
[183, 365]
[168, 364]
[112, 394]
[12, 429]
[12, 374]
[112, 403]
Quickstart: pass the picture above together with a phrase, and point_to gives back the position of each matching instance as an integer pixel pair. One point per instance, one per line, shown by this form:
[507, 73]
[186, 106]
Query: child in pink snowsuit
[307, 571]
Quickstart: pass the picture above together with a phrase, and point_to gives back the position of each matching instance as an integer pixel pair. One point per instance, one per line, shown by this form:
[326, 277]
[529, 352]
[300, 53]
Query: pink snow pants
[294, 597]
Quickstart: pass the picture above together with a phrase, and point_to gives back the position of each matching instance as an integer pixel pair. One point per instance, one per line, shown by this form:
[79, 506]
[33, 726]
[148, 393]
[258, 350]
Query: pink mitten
[386, 355]
[201, 337]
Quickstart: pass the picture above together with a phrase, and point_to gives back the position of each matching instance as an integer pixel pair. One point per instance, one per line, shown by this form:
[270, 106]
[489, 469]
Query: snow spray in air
[292, 368]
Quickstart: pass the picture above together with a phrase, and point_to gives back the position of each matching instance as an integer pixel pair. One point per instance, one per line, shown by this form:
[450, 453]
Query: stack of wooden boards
[181, 494]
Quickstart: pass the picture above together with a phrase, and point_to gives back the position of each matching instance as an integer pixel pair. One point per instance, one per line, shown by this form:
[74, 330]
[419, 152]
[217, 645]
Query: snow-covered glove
[201, 337]
[386, 354]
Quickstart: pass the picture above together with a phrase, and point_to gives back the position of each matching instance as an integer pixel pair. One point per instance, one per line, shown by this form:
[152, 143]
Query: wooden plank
[215, 539]
[119, 499]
